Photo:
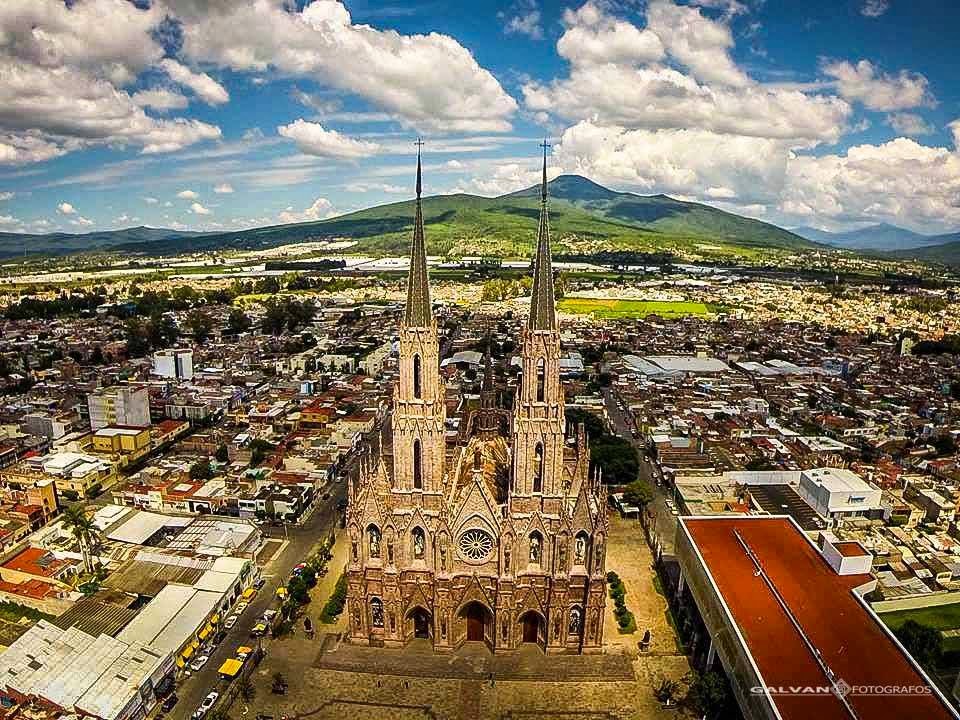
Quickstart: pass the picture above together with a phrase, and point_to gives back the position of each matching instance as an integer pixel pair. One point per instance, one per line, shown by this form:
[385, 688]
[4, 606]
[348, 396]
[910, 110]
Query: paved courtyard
[330, 680]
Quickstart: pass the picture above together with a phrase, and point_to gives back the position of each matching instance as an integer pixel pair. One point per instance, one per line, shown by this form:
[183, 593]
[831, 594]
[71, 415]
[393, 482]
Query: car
[197, 664]
[230, 622]
[169, 701]
[208, 702]
[260, 583]
[241, 606]
[259, 630]
[269, 615]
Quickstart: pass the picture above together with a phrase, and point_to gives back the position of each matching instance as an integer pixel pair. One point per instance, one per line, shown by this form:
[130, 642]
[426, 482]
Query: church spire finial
[418, 311]
[542, 312]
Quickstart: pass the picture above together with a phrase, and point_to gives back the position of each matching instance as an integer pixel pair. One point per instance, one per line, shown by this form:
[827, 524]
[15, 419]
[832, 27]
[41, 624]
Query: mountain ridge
[585, 217]
[882, 236]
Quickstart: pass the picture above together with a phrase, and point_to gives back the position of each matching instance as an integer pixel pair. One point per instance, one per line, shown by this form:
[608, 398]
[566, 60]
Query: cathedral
[494, 533]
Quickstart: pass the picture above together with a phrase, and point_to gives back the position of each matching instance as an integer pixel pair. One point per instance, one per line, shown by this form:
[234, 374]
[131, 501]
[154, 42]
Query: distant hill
[883, 237]
[13, 244]
[585, 217]
[947, 252]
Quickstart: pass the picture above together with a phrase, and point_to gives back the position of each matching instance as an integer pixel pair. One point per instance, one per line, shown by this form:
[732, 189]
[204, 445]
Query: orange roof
[851, 642]
[36, 561]
[31, 588]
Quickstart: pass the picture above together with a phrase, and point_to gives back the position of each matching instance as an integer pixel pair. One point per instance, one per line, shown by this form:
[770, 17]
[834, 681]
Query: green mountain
[875, 237]
[947, 252]
[13, 244]
[585, 217]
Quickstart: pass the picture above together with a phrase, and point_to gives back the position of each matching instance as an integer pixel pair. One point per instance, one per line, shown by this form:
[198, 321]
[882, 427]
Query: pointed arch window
[541, 379]
[581, 545]
[376, 612]
[536, 548]
[417, 377]
[538, 468]
[477, 459]
[373, 539]
[419, 542]
[417, 466]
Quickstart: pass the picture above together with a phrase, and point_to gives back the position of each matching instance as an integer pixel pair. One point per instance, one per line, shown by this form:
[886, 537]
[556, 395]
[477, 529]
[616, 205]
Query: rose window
[475, 545]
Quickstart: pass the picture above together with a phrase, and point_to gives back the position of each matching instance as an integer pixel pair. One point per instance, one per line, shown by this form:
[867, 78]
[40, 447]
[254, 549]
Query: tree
[199, 324]
[82, 528]
[709, 694]
[223, 454]
[666, 690]
[298, 590]
[248, 690]
[201, 470]
[275, 317]
[638, 493]
[138, 344]
[238, 322]
[924, 643]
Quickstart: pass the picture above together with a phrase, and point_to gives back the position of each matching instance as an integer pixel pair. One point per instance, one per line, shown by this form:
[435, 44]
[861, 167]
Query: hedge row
[618, 591]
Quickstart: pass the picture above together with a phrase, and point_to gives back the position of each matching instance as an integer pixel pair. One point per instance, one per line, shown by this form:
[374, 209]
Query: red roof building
[791, 630]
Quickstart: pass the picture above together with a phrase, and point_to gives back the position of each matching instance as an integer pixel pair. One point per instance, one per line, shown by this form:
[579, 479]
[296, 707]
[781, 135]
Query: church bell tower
[419, 412]
[538, 416]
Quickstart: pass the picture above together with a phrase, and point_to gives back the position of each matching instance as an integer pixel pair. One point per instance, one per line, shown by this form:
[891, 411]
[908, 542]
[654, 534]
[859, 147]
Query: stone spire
[542, 312]
[418, 312]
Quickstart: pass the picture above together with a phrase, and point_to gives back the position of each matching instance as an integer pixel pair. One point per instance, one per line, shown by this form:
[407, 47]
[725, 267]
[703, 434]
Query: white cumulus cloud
[314, 139]
[198, 209]
[223, 189]
[320, 209]
[427, 81]
[187, 195]
[66, 208]
[863, 82]
[204, 86]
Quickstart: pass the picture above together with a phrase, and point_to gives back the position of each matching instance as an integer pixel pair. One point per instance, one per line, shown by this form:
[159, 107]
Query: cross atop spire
[418, 312]
[542, 312]
[543, 184]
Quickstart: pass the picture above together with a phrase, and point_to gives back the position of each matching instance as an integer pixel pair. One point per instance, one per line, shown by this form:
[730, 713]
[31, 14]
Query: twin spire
[543, 315]
[419, 312]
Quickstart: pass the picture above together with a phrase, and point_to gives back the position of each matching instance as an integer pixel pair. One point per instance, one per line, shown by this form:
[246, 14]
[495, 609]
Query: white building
[176, 364]
[119, 405]
[836, 493]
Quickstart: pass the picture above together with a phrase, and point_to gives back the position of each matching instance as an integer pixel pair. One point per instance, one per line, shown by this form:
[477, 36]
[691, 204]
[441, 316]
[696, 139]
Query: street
[665, 522]
[301, 538]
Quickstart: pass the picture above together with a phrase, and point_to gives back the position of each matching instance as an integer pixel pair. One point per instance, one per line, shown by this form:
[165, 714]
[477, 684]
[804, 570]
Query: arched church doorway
[476, 616]
[421, 623]
[533, 627]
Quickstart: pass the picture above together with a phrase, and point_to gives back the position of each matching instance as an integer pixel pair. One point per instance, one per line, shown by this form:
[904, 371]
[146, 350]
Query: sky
[229, 114]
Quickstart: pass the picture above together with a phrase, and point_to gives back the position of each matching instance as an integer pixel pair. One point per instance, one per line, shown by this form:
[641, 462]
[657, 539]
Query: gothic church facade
[498, 537]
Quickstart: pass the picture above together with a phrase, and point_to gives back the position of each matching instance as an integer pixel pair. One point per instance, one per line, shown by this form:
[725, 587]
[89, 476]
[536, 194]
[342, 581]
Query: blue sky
[225, 115]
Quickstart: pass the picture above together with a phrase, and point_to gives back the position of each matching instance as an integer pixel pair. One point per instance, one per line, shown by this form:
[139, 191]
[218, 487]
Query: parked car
[208, 702]
[269, 615]
[199, 662]
[230, 622]
[259, 630]
[169, 701]
[241, 606]
[260, 583]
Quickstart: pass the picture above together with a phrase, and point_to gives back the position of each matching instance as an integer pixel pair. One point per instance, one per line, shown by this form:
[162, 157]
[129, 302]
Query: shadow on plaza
[472, 661]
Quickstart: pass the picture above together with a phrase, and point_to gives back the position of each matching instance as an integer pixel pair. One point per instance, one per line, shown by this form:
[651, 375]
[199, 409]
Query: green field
[942, 617]
[611, 309]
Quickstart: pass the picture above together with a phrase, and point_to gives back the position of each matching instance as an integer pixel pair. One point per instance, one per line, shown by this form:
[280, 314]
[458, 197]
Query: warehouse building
[787, 623]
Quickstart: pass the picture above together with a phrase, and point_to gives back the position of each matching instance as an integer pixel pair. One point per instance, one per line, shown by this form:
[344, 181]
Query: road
[300, 539]
[665, 522]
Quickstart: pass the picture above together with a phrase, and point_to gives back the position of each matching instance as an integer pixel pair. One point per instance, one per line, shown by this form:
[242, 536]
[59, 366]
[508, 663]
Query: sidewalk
[630, 557]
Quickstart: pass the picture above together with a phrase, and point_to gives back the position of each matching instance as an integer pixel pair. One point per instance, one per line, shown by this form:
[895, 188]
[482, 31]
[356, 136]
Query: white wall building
[176, 364]
[836, 493]
[119, 405]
